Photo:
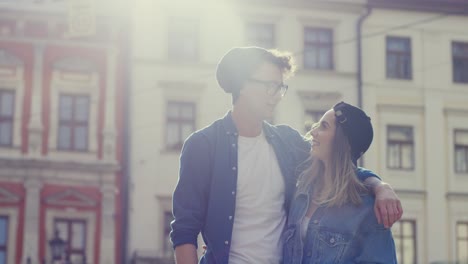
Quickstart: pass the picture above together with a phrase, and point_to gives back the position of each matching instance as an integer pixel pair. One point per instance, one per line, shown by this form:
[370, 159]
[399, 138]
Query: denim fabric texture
[346, 234]
[205, 195]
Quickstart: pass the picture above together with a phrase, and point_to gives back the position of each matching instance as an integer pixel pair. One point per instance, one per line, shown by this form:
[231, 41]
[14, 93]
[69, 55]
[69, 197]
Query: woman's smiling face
[323, 134]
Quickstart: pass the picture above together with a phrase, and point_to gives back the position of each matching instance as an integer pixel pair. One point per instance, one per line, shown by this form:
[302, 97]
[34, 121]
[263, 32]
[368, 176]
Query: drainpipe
[126, 148]
[359, 60]
[359, 52]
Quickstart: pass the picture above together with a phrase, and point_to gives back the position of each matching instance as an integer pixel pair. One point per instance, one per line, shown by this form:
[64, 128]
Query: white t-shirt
[260, 215]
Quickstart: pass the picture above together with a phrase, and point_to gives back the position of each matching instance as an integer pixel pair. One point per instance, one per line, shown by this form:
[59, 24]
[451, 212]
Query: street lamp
[57, 247]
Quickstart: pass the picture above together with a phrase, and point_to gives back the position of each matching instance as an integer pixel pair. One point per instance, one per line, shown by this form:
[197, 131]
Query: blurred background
[97, 98]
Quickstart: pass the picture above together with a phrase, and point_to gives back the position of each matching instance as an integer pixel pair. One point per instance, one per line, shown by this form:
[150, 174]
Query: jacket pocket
[332, 246]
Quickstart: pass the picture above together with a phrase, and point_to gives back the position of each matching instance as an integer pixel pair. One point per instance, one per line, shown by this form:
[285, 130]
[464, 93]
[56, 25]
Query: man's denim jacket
[205, 195]
[346, 234]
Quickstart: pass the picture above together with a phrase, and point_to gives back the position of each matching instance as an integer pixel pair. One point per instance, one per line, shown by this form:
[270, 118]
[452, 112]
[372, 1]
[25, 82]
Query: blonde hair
[345, 188]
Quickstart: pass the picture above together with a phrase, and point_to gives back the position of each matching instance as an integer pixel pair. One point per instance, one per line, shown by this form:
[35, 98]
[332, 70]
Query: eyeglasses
[272, 87]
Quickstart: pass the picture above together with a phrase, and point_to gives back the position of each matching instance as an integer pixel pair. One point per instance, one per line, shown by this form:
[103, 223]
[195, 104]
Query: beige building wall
[432, 193]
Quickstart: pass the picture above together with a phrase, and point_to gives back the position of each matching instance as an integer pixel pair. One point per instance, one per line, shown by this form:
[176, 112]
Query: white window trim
[85, 87]
[394, 115]
[458, 213]
[180, 92]
[456, 120]
[70, 213]
[332, 24]
[12, 214]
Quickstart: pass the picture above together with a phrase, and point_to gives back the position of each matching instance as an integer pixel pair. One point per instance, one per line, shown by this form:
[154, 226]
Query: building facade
[61, 108]
[176, 45]
[405, 62]
[415, 86]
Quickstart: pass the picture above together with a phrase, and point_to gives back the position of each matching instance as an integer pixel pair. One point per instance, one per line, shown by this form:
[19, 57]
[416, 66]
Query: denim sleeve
[191, 193]
[363, 174]
[377, 246]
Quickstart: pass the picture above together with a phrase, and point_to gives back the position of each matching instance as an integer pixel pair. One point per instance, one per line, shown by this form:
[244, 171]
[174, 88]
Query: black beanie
[356, 126]
[236, 66]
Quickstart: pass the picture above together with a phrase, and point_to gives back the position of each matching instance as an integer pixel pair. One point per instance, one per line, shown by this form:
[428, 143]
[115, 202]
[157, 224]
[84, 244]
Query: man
[238, 175]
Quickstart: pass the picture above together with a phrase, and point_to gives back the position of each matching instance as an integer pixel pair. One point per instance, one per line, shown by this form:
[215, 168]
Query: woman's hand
[387, 206]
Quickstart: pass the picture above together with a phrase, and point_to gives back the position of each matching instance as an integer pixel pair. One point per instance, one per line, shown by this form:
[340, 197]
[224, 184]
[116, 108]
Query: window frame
[457, 239]
[400, 57]
[11, 118]
[4, 248]
[456, 147]
[180, 122]
[401, 143]
[318, 45]
[460, 58]
[73, 122]
[69, 222]
[401, 237]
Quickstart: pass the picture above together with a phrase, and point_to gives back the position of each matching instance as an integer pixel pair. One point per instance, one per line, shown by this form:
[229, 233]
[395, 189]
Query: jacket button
[315, 221]
[332, 240]
[226, 242]
[233, 145]
[233, 192]
[230, 217]
[234, 168]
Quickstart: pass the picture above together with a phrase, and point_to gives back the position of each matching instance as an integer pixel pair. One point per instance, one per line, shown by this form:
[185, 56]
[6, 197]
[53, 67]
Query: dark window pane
[318, 48]
[6, 104]
[398, 58]
[66, 107]
[78, 235]
[180, 123]
[400, 147]
[82, 108]
[81, 138]
[5, 133]
[460, 62]
[3, 231]
[64, 137]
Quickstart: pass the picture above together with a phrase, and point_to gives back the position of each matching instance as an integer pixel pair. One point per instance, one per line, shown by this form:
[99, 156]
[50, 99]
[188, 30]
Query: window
[183, 39]
[3, 239]
[461, 151]
[312, 117]
[460, 62]
[399, 58]
[261, 35]
[180, 118]
[400, 147]
[73, 122]
[168, 217]
[462, 242]
[7, 103]
[73, 232]
[404, 234]
[318, 48]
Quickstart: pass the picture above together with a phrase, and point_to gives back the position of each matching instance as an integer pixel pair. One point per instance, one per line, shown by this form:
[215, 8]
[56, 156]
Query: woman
[331, 219]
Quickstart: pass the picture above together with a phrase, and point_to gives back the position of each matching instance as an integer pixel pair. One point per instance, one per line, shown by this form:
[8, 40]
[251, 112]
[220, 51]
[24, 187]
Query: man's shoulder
[284, 130]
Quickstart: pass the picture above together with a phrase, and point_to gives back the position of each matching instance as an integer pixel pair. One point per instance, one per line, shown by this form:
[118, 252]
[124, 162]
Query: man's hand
[387, 206]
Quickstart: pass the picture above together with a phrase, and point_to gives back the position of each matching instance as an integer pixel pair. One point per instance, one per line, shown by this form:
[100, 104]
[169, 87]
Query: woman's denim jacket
[346, 234]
